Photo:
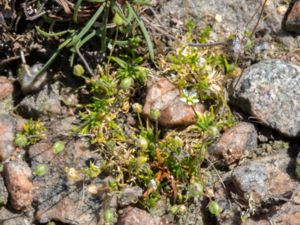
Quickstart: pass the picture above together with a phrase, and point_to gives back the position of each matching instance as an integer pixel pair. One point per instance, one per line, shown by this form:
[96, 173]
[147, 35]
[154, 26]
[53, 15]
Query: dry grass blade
[64, 5]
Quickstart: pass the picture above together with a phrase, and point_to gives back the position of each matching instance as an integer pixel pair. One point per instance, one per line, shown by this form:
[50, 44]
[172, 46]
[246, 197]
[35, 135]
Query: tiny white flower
[190, 98]
[218, 18]
[201, 61]
[153, 184]
[110, 46]
[236, 45]
[173, 76]
[215, 88]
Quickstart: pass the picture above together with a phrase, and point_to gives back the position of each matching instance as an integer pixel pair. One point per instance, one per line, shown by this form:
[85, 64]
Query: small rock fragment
[66, 210]
[44, 103]
[269, 91]
[8, 217]
[41, 153]
[3, 192]
[292, 22]
[63, 126]
[6, 98]
[163, 96]
[6, 87]
[263, 179]
[18, 180]
[286, 213]
[281, 9]
[251, 181]
[234, 144]
[134, 216]
[57, 198]
[7, 133]
[129, 195]
[28, 78]
[265, 185]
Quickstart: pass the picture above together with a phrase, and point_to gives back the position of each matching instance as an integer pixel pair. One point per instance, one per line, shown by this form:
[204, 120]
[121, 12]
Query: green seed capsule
[154, 114]
[21, 140]
[58, 147]
[214, 208]
[174, 209]
[41, 170]
[138, 108]
[126, 83]
[213, 132]
[196, 189]
[108, 216]
[118, 20]
[78, 70]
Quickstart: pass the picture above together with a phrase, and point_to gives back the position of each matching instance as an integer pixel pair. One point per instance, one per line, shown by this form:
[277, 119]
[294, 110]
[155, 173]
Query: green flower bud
[214, 208]
[21, 140]
[138, 108]
[58, 147]
[41, 170]
[126, 83]
[78, 70]
[154, 114]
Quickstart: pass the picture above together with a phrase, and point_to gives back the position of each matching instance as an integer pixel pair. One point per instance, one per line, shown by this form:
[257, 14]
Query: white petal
[185, 92]
[183, 100]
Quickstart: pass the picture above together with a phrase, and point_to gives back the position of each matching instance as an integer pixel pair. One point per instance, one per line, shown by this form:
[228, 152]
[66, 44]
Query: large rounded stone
[292, 22]
[269, 91]
[18, 180]
[165, 97]
[44, 103]
[234, 144]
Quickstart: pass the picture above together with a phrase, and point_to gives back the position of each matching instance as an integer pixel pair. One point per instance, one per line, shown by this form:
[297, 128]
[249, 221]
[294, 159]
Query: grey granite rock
[269, 91]
[251, 180]
[261, 184]
[8, 217]
[129, 195]
[234, 15]
[29, 80]
[44, 103]
[58, 198]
